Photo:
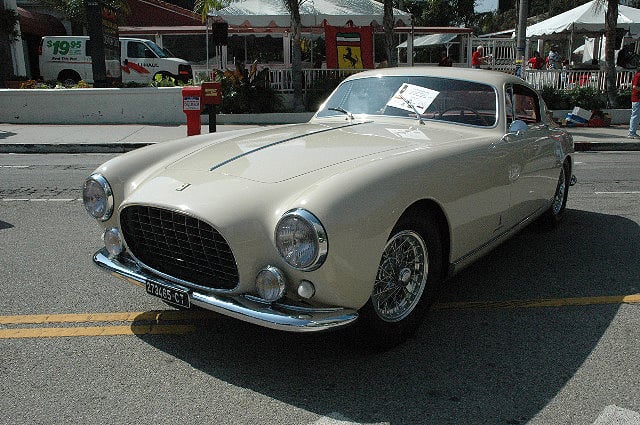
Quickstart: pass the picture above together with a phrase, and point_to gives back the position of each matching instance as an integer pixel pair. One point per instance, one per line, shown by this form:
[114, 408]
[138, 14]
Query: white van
[68, 59]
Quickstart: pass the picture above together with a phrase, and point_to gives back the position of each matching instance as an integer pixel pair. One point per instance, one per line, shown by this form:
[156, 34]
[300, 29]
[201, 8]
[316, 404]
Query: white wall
[148, 105]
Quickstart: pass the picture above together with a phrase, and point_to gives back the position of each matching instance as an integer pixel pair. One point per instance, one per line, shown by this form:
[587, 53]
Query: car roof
[494, 78]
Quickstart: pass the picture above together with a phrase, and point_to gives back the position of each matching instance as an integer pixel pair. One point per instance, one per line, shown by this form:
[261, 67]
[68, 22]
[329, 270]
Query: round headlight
[270, 284]
[97, 197]
[301, 240]
[112, 241]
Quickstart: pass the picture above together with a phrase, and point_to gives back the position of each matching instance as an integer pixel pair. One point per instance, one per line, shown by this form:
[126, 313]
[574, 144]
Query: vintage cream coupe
[402, 178]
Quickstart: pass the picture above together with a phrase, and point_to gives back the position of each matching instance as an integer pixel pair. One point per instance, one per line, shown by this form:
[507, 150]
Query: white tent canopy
[268, 13]
[429, 40]
[588, 18]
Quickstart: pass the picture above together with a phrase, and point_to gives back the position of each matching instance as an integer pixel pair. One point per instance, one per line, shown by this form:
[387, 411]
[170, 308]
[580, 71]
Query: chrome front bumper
[243, 307]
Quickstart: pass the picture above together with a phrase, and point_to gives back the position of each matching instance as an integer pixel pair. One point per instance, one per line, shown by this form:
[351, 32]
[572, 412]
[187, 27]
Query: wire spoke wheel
[402, 276]
[559, 198]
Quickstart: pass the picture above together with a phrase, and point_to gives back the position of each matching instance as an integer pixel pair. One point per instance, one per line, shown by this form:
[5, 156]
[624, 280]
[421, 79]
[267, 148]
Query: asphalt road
[543, 330]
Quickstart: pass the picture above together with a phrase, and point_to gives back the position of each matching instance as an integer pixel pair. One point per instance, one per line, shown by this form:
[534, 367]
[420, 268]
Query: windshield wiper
[408, 102]
[344, 111]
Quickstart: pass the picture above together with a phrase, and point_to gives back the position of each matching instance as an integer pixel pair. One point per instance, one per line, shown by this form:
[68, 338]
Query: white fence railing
[571, 79]
[281, 80]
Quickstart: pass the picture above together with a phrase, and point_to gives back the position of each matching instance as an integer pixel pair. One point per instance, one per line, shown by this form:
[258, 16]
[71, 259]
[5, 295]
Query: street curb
[41, 148]
[606, 146]
[44, 148]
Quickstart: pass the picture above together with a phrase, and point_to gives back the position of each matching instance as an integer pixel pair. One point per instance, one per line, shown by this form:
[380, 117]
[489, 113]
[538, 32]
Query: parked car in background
[68, 59]
[401, 179]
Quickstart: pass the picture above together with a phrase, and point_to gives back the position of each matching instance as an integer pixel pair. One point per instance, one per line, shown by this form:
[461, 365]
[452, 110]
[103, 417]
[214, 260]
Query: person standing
[477, 57]
[554, 58]
[445, 60]
[536, 61]
[635, 106]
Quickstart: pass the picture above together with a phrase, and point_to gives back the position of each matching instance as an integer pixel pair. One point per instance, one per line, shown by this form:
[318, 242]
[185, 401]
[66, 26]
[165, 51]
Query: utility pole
[522, 34]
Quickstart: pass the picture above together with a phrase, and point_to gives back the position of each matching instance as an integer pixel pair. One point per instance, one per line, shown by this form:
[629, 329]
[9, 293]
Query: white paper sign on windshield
[420, 97]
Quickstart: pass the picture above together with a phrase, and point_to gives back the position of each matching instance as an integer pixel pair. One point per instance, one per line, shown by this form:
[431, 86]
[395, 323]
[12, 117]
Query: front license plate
[170, 295]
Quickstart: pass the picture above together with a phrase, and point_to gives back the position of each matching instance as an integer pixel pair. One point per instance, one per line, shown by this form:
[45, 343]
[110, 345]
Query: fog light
[112, 241]
[306, 289]
[270, 284]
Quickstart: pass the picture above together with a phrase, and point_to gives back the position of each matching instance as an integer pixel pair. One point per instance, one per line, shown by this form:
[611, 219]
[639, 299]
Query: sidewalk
[31, 138]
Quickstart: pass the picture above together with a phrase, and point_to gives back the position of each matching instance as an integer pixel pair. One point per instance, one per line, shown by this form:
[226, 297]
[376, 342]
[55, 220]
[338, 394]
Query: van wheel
[69, 78]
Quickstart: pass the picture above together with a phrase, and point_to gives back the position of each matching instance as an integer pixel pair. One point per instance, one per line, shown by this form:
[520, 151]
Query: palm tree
[610, 24]
[296, 53]
[387, 23]
[8, 33]
[204, 6]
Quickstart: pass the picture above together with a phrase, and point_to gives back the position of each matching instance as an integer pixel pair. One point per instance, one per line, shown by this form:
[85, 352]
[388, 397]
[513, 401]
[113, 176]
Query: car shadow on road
[465, 365]
[5, 225]
[6, 134]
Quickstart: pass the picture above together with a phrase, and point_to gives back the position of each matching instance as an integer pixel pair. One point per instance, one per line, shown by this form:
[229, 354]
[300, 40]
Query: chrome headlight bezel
[97, 197]
[301, 240]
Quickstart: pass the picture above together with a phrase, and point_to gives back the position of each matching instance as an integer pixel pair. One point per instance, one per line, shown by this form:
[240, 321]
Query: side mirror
[517, 127]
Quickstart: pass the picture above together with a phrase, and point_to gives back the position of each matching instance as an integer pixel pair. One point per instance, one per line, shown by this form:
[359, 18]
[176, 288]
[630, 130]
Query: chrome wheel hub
[401, 277]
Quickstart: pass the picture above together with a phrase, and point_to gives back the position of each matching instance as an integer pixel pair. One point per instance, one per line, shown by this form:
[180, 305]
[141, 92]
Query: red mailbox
[192, 107]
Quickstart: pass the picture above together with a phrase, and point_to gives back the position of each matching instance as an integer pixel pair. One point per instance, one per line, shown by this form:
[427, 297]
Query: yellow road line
[96, 331]
[155, 316]
[158, 318]
[549, 302]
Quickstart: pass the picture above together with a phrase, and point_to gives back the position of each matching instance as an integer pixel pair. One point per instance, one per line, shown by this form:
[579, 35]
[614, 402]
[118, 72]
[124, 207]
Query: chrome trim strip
[246, 308]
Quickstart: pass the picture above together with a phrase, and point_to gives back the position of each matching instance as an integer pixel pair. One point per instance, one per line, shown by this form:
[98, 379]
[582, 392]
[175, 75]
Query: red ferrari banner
[349, 47]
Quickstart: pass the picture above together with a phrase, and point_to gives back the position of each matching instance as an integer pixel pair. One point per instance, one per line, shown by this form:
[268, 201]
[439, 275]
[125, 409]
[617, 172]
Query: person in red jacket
[635, 106]
[477, 57]
[536, 61]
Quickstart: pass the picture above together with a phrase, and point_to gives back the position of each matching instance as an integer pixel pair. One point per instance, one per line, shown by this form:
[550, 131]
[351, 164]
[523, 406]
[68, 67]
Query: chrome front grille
[179, 246]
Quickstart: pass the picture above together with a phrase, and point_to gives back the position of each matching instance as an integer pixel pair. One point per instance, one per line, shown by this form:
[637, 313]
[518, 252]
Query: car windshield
[434, 98]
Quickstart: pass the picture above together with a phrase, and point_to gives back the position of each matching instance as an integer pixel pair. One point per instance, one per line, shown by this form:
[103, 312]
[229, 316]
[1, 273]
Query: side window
[135, 50]
[509, 105]
[526, 105]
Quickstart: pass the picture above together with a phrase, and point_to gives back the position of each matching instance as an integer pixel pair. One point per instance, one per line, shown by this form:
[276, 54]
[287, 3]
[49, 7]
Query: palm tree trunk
[389, 42]
[611, 21]
[296, 54]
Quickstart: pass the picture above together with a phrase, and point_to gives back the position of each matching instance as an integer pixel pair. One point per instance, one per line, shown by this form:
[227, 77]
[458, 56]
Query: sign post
[212, 96]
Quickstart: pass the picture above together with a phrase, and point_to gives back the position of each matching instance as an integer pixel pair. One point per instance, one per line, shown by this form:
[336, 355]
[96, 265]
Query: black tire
[405, 286]
[555, 213]
[69, 78]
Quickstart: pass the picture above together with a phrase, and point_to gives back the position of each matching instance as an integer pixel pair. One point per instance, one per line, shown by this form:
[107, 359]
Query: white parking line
[630, 192]
[336, 418]
[617, 415]
[40, 199]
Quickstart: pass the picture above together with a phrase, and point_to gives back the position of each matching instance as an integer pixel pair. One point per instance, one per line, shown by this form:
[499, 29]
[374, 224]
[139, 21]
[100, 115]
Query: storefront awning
[39, 24]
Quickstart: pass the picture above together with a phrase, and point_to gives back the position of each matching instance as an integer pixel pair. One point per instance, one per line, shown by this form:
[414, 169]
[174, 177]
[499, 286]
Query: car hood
[286, 152]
